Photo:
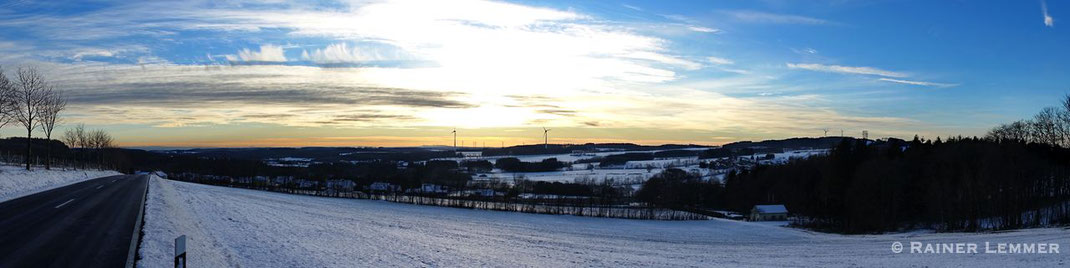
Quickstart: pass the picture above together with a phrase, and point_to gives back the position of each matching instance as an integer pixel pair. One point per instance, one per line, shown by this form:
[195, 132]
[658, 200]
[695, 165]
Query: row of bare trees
[1049, 126]
[28, 101]
[96, 140]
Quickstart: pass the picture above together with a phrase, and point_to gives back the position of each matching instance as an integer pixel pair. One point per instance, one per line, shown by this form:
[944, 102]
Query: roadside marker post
[180, 251]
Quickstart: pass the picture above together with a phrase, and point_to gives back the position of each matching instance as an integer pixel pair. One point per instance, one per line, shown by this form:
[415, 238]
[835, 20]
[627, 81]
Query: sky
[406, 73]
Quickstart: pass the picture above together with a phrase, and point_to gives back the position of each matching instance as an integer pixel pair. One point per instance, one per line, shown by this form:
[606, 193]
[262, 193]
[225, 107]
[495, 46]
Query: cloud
[888, 76]
[845, 69]
[805, 51]
[341, 53]
[1048, 20]
[220, 94]
[267, 54]
[772, 18]
[664, 59]
[702, 29]
[365, 117]
[600, 72]
[719, 61]
[917, 83]
[559, 112]
[92, 53]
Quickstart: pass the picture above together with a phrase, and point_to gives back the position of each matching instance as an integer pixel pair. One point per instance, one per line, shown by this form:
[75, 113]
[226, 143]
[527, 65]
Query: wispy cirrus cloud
[751, 16]
[267, 54]
[702, 29]
[886, 76]
[720, 61]
[846, 69]
[917, 83]
[337, 53]
[343, 53]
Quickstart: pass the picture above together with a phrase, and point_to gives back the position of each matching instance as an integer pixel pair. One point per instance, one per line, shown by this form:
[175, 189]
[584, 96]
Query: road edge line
[136, 238]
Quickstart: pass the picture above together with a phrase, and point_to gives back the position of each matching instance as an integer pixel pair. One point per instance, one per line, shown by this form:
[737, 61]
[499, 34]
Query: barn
[769, 213]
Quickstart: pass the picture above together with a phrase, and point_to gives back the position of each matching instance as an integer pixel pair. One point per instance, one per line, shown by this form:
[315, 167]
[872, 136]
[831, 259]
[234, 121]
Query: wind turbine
[545, 139]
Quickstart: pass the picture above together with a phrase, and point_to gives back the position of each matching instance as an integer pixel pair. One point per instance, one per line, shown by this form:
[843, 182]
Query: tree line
[961, 184]
[1017, 176]
[31, 103]
[1049, 126]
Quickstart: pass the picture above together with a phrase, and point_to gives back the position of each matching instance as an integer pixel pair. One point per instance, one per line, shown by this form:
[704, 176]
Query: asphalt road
[88, 224]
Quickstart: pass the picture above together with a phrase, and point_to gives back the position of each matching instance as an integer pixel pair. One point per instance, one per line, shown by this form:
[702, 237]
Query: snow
[781, 158]
[632, 171]
[230, 227]
[16, 181]
[288, 162]
[638, 175]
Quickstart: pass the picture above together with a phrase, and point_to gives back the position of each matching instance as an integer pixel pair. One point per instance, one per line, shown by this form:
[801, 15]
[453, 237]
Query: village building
[769, 213]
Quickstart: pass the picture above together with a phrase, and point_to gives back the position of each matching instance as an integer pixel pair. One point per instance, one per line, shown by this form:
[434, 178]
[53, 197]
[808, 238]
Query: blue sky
[282, 73]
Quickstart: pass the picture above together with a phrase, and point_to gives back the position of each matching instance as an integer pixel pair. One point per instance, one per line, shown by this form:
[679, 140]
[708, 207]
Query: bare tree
[7, 87]
[54, 104]
[1064, 121]
[1018, 131]
[1045, 128]
[100, 141]
[75, 136]
[31, 92]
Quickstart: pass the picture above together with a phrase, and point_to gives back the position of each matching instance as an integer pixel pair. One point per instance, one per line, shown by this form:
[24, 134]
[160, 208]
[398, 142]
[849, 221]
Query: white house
[346, 185]
[433, 188]
[384, 187]
[429, 188]
[478, 192]
[769, 213]
[303, 183]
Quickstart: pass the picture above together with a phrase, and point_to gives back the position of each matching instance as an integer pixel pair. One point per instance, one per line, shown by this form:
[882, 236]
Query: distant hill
[788, 144]
[570, 148]
[323, 154]
[331, 154]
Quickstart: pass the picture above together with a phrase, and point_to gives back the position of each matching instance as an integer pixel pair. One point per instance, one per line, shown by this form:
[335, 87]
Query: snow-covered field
[230, 227]
[781, 158]
[562, 157]
[639, 171]
[573, 175]
[16, 182]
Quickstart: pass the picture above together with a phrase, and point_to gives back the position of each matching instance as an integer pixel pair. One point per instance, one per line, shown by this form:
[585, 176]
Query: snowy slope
[16, 182]
[236, 227]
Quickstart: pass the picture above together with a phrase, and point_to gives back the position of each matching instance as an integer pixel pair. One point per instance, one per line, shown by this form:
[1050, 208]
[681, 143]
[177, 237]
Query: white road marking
[98, 187]
[64, 203]
[114, 180]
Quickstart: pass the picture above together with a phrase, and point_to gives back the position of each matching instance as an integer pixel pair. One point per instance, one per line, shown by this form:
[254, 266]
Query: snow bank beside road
[231, 227]
[167, 216]
[16, 181]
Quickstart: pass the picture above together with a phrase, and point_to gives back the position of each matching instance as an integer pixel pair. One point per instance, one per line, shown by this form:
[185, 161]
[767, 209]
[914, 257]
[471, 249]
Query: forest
[1017, 176]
